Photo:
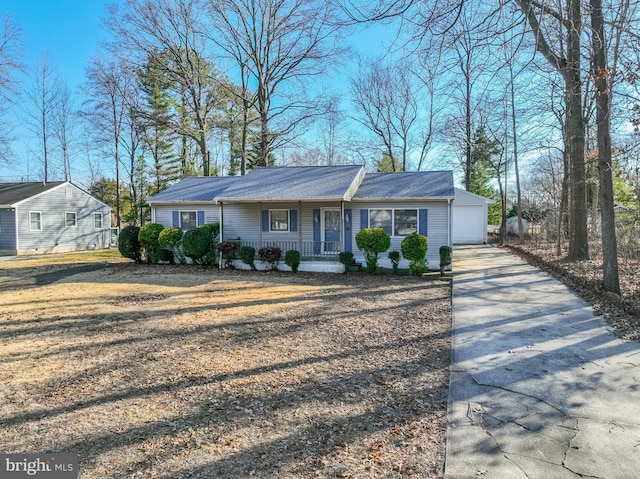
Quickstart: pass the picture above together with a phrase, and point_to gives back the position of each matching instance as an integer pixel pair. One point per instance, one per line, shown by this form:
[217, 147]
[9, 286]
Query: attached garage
[470, 213]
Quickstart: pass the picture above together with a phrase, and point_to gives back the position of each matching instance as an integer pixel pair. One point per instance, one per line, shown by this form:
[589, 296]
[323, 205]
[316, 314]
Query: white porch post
[299, 227]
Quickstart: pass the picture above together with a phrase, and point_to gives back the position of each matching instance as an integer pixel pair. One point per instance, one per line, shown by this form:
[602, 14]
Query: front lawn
[177, 371]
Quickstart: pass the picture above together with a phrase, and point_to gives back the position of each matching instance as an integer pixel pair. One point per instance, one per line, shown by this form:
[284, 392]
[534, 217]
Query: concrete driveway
[540, 386]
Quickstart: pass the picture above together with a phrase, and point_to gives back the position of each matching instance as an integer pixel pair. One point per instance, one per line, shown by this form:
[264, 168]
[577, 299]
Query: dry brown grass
[176, 371]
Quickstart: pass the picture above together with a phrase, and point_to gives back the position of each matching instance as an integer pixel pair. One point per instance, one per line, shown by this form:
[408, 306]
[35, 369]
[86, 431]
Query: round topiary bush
[196, 244]
[292, 259]
[445, 258]
[414, 248]
[270, 255]
[128, 243]
[148, 238]
[346, 258]
[394, 256]
[169, 240]
[248, 255]
[372, 241]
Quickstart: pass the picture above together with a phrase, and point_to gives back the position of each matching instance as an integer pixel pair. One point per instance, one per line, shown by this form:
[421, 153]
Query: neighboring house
[39, 218]
[315, 210]
[470, 217]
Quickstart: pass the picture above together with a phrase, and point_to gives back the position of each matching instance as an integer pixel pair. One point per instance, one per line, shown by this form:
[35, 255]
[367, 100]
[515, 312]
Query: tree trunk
[578, 234]
[611, 281]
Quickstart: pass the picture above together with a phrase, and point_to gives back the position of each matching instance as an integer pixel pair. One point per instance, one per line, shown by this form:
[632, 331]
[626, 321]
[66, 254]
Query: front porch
[309, 250]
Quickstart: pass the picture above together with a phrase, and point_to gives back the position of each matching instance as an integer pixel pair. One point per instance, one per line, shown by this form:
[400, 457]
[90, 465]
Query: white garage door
[468, 225]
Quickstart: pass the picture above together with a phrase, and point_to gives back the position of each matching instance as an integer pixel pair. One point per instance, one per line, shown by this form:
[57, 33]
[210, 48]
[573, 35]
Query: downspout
[221, 234]
[342, 225]
[299, 225]
[449, 220]
[17, 230]
[260, 224]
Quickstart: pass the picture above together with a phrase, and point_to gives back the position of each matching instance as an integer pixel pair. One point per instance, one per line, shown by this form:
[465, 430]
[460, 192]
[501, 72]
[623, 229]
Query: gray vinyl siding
[7, 229]
[437, 227]
[164, 214]
[243, 220]
[54, 234]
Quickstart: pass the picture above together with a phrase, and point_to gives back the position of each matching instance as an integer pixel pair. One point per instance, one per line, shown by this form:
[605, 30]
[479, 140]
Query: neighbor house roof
[408, 185]
[296, 183]
[194, 189]
[13, 193]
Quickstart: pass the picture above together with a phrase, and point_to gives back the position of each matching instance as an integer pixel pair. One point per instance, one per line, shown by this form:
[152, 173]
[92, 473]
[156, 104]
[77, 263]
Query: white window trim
[288, 222]
[75, 222]
[393, 219]
[40, 214]
[101, 221]
[187, 211]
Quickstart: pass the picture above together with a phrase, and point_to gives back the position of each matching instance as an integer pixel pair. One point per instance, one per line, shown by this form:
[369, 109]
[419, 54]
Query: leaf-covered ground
[179, 372]
[585, 278]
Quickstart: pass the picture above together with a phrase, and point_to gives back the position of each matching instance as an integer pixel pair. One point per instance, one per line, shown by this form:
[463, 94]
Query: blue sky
[70, 33]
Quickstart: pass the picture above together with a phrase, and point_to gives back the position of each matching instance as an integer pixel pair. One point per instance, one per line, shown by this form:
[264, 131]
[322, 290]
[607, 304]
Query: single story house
[470, 217]
[39, 218]
[316, 210]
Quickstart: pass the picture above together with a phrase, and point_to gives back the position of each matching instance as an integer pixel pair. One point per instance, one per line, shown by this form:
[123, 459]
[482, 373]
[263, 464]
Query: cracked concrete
[540, 386]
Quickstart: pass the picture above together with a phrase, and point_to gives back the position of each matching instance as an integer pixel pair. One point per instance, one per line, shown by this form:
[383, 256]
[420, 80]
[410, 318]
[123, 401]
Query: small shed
[38, 218]
[470, 217]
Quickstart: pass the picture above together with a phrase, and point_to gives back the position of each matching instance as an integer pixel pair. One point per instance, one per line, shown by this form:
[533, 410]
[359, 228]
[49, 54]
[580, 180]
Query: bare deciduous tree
[10, 63]
[277, 44]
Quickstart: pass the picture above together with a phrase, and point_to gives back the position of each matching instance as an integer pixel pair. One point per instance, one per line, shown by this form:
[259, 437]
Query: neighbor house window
[35, 220]
[395, 222]
[70, 219]
[97, 221]
[278, 220]
[188, 220]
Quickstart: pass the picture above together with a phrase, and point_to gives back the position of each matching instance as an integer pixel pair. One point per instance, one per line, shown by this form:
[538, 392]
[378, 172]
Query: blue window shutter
[265, 220]
[316, 231]
[364, 219]
[422, 222]
[293, 220]
[347, 229]
[200, 218]
[175, 218]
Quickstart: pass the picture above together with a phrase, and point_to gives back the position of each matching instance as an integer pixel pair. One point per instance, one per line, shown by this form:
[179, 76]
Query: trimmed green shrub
[414, 248]
[346, 258]
[128, 243]
[228, 250]
[445, 258]
[148, 238]
[292, 259]
[170, 240]
[247, 256]
[394, 256]
[213, 230]
[372, 241]
[270, 255]
[196, 244]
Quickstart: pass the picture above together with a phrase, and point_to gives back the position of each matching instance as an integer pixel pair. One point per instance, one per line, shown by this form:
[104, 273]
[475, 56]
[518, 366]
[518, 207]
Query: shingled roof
[296, 183]
[194, 189]
[408, 185]
[13, 193]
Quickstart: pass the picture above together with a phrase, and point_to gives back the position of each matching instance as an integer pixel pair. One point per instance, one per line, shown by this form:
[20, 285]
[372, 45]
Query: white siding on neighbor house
[164, 214]
[54, 235]
[438, 225]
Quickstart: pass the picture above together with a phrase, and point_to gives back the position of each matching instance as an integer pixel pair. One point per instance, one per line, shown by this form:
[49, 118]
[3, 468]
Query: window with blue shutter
[175, 218]
[265, 221]
[200, 218]
[293, 220]
[364, 219]
[422, 222]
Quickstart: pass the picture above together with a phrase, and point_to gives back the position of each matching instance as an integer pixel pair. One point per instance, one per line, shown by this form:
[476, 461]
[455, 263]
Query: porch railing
[310, 250]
